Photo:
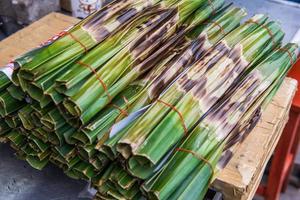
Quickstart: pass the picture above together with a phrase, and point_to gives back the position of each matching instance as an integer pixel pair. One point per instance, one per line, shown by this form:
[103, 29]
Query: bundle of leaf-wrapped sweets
[146, 99]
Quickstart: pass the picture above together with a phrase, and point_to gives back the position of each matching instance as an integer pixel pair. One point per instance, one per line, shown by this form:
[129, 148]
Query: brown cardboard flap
[32, 36]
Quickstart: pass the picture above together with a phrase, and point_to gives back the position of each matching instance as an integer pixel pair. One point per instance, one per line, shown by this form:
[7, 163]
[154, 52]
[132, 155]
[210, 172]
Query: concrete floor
[19, 181]
[291, 194]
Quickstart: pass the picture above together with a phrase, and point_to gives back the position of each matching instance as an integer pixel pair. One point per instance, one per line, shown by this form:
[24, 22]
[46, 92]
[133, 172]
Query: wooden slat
[33, 35]
[241, 177]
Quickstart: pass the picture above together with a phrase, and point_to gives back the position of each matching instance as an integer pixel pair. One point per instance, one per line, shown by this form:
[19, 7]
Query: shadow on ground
[19, 181]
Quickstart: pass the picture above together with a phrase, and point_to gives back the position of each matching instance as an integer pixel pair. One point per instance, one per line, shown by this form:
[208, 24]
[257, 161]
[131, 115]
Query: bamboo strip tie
[266, 28]
[177, 111]
[97, 77]
[212, 7]
[217, 25]
[77, 40]
[289, 54]
[199, 157]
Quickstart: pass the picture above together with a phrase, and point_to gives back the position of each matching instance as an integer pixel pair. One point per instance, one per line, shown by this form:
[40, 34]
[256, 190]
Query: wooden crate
[241, 177]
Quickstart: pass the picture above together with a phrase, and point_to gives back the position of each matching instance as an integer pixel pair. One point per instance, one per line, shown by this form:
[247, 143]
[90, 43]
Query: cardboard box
[66, 5]
[82, 8]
